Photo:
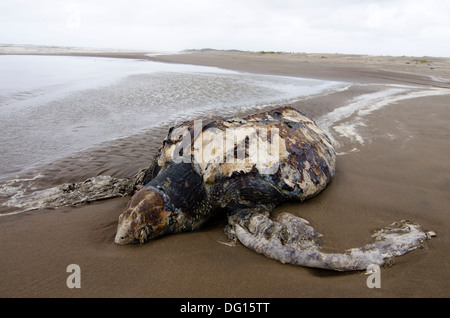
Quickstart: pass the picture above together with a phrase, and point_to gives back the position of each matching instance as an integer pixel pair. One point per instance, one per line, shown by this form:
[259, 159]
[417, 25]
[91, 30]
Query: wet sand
[397, 169]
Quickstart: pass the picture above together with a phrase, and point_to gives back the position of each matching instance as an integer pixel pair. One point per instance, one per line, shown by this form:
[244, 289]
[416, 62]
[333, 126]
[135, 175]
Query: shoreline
[398, 171]
[425, 70]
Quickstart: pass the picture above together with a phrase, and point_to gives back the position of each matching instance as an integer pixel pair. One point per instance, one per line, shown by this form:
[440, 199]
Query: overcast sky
[386, 27]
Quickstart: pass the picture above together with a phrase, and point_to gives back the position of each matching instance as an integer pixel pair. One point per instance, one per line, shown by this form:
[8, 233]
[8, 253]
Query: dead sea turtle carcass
[244, 168]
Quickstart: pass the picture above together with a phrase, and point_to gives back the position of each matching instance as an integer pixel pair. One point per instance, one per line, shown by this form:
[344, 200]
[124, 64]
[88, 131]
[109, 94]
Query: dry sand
[396, 167]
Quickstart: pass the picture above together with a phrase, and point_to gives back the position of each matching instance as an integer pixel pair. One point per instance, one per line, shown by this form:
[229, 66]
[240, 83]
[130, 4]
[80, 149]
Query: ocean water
[54, 106]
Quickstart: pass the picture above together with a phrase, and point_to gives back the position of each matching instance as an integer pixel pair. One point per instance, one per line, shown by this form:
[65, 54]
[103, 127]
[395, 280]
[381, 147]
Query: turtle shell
[282, 148]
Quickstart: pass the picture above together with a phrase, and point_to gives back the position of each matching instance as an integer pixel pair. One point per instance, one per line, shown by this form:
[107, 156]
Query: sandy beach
[393, 145]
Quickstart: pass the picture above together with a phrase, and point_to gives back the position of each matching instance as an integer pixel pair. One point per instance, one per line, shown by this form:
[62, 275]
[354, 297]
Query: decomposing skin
[290, 239]
[194, 177]
[73, 194]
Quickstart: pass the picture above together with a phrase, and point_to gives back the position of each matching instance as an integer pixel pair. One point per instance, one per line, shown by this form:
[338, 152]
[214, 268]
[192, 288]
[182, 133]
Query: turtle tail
[290, 239]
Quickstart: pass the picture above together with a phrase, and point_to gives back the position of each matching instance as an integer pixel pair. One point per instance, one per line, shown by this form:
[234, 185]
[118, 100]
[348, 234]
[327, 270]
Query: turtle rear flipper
[290, 239]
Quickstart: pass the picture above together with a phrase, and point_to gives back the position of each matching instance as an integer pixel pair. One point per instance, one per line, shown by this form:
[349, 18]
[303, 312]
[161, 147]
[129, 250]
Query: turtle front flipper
[241, 216]
[290, 239]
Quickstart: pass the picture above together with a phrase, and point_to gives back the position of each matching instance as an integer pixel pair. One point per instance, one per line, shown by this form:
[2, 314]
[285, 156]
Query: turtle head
[144, 218]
